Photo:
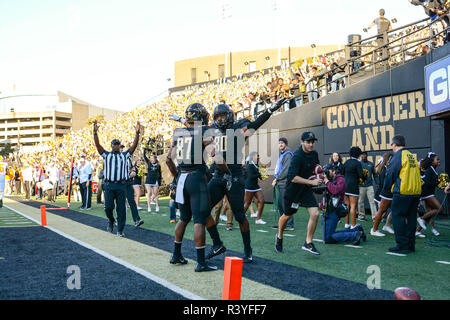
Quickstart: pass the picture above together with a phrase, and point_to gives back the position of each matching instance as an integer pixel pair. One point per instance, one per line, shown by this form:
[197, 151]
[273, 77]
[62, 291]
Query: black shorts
[298, 196]
[217, 189]
[352, 189]
[196, 199]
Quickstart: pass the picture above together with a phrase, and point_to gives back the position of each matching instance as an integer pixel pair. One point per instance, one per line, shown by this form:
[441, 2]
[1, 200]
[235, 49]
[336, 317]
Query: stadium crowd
[45, 171]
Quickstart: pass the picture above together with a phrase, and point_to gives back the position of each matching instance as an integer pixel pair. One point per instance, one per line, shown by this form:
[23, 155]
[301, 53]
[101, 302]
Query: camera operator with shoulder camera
[335, 209]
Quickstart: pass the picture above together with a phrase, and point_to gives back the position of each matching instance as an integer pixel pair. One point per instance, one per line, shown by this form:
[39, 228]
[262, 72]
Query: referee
[116, 175]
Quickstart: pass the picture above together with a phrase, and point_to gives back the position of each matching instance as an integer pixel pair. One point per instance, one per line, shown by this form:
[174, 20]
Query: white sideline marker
[352, 246]
[288, 235]
[396, 254]
[142, 272]
[443, 262]
[262, 230]
[318, 240]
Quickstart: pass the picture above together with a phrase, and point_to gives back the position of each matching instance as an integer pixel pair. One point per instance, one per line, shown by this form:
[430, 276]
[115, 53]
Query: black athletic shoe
[139, 223]
[205, 267]
[275, 227]
[397, 249]
[215, 251]
[357, 239]
[360, 228]
[1, 203]
[120, 234]
[110, 227]
[310, 248]
[178, 258]
[278, 244]
[248, 257]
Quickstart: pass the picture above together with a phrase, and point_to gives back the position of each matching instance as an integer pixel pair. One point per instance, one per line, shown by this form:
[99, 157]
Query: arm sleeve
[146, 159]
[259, 121]
[392, 173]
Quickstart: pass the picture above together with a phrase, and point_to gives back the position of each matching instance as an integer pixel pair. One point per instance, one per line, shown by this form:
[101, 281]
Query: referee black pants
[115, 197]
[86, 194]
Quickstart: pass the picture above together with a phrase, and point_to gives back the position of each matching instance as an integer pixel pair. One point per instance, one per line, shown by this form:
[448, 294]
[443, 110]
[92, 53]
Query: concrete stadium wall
[369, 114]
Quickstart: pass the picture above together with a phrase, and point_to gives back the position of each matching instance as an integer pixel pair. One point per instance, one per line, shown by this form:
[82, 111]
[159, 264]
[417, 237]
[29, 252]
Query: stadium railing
[354, 67]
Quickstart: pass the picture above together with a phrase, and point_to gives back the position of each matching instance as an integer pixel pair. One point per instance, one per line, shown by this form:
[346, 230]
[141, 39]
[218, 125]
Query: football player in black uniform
[226, 132]
[192, 193]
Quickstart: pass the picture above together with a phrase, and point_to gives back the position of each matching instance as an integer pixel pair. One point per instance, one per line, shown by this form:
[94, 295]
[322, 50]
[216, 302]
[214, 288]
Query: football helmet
[229, 120]
[197, 112]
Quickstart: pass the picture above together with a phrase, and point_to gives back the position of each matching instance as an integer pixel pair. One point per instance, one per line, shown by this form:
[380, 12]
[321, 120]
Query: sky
[119, 54]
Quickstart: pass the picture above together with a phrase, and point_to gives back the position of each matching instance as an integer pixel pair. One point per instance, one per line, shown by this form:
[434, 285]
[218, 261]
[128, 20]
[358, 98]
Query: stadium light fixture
[267, 58]
[313, 46]
[394, 20]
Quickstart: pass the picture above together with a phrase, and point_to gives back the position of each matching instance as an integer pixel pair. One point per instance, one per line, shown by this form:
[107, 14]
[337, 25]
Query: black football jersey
[230, 143]
[188, 145]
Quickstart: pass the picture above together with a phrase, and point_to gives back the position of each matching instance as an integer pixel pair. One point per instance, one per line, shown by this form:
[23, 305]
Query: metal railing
[355, 65]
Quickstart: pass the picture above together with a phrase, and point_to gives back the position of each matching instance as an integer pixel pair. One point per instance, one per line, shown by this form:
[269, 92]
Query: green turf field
[9, 218]
[419, 270]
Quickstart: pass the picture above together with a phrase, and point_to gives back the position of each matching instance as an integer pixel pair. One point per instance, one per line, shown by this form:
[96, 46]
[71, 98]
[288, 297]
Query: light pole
[275, 7]
[225, 14]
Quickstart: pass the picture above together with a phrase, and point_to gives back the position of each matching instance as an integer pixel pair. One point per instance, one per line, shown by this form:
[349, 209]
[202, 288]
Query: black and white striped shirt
[116, 166]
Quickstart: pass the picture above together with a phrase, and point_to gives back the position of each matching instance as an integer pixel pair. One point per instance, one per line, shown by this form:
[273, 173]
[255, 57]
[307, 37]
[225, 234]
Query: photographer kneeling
[335, 209]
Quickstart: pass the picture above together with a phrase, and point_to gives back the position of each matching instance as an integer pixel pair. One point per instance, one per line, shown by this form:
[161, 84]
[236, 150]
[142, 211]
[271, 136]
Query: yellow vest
[411, 182]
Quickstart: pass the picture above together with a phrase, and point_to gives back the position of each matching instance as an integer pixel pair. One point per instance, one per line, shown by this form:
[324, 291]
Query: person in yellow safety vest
[404, 182]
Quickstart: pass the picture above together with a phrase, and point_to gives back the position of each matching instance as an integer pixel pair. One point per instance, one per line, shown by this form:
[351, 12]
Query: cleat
[121, 234]
[248, 257]
[215, 251]
[229, 228]
[260, 221]
[178, 259]
[139, 223]
[173, 221]
[110, 227]
[205, 267]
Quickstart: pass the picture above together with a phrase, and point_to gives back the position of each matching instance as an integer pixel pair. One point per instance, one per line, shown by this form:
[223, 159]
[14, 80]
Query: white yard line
[146, 274]
[396, 254]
